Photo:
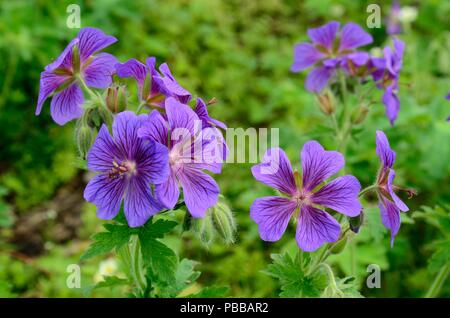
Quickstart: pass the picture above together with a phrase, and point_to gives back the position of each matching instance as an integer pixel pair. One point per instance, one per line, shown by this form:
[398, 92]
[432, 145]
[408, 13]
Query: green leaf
[293, 277]
[158, 228]
[160, 258]
[111, 281]
[184, 276]
[440, 257]
[114, 237]
[211, 292]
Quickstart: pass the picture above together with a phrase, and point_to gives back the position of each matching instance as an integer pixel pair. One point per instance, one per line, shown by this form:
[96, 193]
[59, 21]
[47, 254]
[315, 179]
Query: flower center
[303, 197]
[124, 168]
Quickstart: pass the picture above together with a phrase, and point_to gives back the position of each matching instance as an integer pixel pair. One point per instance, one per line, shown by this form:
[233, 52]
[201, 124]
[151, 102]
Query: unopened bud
[116, 98]
[218, 222]
[85, 136]
[356, 222]
[332, 292]
[223, 221]
[204, 229]
[326, 103]
[360, 114]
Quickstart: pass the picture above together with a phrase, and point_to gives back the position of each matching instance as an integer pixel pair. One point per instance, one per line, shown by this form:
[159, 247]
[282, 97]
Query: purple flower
[170, 86]
[77, 59]
[328, 51]
[389, 203]
[387, 76]
[191, 150]
[393, 22]
[201, 110]
[152, 84]
[127, 166]
[314, 226]
[144, 74]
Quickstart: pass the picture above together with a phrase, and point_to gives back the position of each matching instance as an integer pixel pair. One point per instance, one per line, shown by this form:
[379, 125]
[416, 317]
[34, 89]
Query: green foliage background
[239, 52]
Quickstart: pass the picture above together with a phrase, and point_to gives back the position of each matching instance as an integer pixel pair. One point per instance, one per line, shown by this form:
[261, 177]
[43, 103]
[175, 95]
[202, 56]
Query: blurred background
[240, 53]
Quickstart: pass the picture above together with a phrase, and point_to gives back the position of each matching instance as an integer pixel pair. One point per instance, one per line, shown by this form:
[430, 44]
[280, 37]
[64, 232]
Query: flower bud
[116, 98]
[360, 114]
[326, 103]
[356, 222]
[204, 229]
[85, 136]
[223, 222]
[218, 222]
[332, 292]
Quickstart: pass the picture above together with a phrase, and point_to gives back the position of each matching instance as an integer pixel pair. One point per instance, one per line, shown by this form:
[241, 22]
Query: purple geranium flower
[144, 74]
[127, 166]
[191, 150]
[315, 226]
[170, 86]
[328, 51]
[387, 76]
[159, 84]
[389, 203]
[77, 59]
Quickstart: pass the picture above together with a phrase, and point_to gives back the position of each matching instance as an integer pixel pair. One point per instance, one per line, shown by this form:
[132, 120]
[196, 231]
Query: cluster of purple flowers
[332, 49]
[305, 198]
[148, 157]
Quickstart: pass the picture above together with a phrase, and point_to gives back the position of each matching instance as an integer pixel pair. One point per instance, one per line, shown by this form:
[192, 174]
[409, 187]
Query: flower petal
[92, 40]
[341, 195]
[353, 36]
[384, 151]
[397, 201]
[170, 86]
[66, 105]
[48, 83]
[390, 217]
[168, 192]
[391, 103]
[103, 152]
[200, 191]
[155, 128]
[64, 60]
[325, 34]
[202, 112]
[99, 72]
[318, 78]
[272, 214]
[140, 204]
[106, 194]
[359, 58]
[152, 161]
[315, 228]
[276, 171]
[305, 55]
[133, 68]
[181, 116]
[318, 164]
[125, 128]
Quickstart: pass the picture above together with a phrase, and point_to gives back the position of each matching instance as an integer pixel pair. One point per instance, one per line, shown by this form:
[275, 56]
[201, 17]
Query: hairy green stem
[438, 282]
[84, 86]
[368, 189]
